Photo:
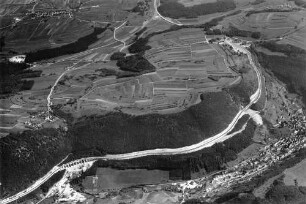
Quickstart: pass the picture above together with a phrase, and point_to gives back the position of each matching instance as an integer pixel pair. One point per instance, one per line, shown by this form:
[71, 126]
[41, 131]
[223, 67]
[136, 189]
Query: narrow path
[123, 42]
[68, 69]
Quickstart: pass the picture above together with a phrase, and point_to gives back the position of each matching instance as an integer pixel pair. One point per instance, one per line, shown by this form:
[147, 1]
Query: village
[51, 13]
[274, 152]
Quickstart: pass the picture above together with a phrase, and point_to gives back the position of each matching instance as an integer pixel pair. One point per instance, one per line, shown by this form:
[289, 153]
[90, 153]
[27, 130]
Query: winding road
[222, 136]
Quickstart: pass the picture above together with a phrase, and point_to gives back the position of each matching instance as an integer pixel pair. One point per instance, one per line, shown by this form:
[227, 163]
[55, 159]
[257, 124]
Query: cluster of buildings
[35, 122]
[51, 13]
[296, 122]
[17, 59]
[248, 169]
[32, 124]
[285, 6]
[268, 156]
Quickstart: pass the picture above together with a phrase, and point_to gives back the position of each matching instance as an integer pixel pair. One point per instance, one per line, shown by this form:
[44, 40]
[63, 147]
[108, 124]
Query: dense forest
[173, 9]
[289, 69]
[29, 155]
[12, 78]
[210, 159]
[80, 45]
[233, 31]
[154, 130]
[141, 7]
[2, 42]
[132, 63]
[32, 153]
[240, 93]
[140, 45]
[289, 50]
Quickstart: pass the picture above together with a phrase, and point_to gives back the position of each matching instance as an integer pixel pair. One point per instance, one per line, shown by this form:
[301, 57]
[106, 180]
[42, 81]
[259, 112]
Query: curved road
[222, 136]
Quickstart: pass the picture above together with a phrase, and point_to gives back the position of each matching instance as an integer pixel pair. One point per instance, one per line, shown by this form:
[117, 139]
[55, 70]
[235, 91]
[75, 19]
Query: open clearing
[107, 178]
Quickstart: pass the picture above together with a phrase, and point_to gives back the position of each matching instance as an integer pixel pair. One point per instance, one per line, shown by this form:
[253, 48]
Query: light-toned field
[189, 3]
[107, 178]
[297, 37]
[124, 32]
[297, 173]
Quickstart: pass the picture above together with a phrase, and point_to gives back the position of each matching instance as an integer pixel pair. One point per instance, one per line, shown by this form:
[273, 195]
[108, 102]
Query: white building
[17, 59]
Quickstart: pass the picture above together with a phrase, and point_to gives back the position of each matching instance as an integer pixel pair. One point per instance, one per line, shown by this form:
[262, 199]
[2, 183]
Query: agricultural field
[34, 100]
[236, 15]
[277, 19]
[90, 53]
[115, 77]
[186, 65]
[296, 38]
[270, 24]
[173, 96]
[29, 102]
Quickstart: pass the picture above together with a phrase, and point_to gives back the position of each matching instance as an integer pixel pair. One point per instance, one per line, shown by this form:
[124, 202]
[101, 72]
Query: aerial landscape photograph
[153, 101]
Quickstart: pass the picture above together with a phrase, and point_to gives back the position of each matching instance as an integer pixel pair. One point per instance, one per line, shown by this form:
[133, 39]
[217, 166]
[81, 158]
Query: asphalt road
[222, 136]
